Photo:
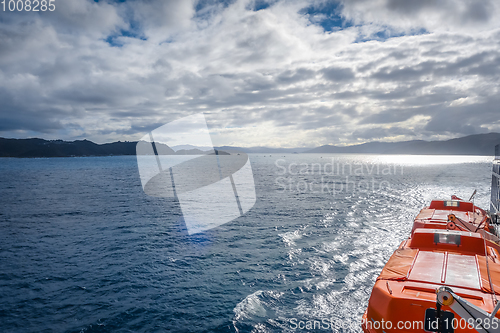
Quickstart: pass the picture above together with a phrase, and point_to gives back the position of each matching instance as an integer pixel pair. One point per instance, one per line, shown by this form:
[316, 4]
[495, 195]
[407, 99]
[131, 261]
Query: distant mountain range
[480, 144]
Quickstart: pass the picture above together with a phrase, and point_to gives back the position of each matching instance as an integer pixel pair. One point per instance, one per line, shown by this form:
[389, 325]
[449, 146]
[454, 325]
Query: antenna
[472, 196]
[495, 187]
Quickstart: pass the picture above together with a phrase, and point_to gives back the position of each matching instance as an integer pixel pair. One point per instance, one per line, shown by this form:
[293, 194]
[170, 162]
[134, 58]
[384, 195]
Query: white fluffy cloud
[386, 70]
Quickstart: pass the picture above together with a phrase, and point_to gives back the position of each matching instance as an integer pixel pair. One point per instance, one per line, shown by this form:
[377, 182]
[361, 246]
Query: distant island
[479, 144]
[60, 148]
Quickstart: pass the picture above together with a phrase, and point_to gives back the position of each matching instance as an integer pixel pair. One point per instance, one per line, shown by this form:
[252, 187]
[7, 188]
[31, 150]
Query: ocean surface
[84, 249]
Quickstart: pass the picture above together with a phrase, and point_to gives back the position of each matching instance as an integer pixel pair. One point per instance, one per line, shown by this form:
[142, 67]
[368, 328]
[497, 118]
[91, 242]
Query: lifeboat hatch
[446, 268]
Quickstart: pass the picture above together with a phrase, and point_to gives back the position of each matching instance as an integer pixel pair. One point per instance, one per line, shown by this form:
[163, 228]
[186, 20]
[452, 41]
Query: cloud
[445, 15]
[462, 118]
[276, 73]
[338, 74]
[380, 133]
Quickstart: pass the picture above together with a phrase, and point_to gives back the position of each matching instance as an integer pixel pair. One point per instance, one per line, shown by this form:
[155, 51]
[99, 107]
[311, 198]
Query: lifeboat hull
[452, 250]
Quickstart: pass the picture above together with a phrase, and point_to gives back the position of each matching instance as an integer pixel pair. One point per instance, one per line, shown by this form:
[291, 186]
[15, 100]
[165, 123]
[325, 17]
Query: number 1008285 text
[27, 5]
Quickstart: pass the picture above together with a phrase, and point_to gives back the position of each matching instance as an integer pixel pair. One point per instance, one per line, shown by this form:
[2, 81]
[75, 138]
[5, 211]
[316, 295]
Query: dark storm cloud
[15, 116]
[409, 73]
[465, 119]
[484, 63]
[300, 74]
[428, 14]
[28, 121]
[411, 7]
[433, 98]
[337, 74]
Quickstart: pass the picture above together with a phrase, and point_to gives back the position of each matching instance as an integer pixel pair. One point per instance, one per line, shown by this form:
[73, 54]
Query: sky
[297, 73]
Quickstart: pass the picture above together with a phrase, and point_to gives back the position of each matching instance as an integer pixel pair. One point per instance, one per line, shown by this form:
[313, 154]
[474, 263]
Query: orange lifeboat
[445, 277]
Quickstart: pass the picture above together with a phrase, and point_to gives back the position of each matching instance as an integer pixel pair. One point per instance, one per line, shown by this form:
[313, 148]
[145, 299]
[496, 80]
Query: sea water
[83, 249]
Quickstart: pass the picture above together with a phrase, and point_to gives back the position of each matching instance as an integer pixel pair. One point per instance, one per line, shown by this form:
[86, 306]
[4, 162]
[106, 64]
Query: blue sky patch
[262, 4]
[327, 15]
[133, 32]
